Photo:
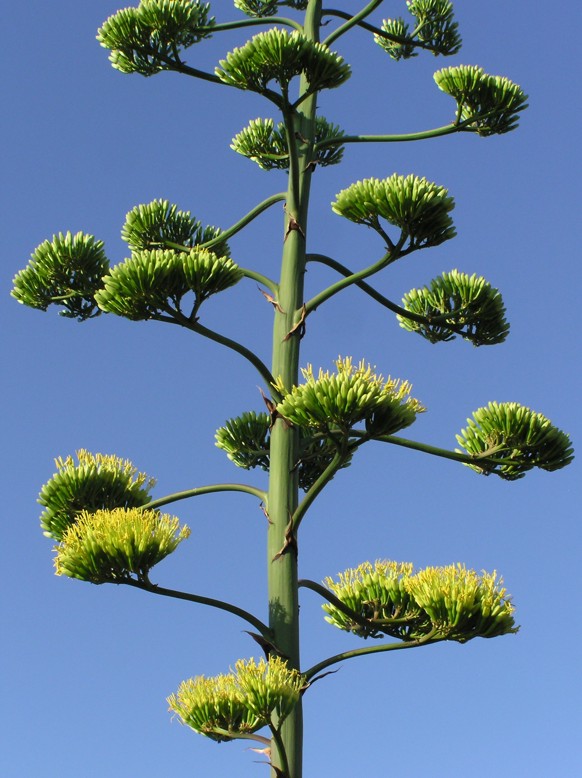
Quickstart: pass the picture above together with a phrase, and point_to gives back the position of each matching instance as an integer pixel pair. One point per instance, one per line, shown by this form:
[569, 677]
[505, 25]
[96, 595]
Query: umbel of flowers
[98, 507]
[94, 482]
[226, 707]
[436, 603]
[117, 545]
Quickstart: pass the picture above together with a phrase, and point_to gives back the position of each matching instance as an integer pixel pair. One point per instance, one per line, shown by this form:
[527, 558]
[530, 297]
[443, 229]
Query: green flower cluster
[151, 284]
[160, 224]
[257, 8]
[457, 304]
[111, 546]
[377, 596]
[437, 603]
[278, 55]
[434, 29]
[95, 481]
[517, 438]
[462, 604]
[418, 207]
[147, 39]
[225, 707]
[491, 103]
[246, 440]
[66, 271]
[339, 401]
[266, 144]
[261, 8]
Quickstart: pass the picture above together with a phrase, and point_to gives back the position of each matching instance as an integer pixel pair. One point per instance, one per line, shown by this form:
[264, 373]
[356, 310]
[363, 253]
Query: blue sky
[87, 669]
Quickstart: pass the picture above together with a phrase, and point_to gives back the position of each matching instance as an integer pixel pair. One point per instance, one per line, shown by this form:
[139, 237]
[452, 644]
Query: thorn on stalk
[299, 328]
[293, 225]
[274, 303]
[265, 512]
[318, 678]
[273, 412]
[269, 648]
[290, 543]
[271, 406]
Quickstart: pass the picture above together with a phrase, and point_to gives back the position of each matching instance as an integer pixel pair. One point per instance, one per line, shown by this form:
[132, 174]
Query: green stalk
[170, 498]
[318, 487]
[375, 295]
[357, 19]
[147, 586]
[283, 487]
[375, 649]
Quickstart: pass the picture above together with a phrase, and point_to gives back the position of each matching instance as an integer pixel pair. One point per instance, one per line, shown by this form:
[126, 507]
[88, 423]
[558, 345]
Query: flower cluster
[342, 399]
[434, 29]
[489, 104]
[146, 39]
[225, 707]
[246, 440]
[436, 603]
[418, 207]
[457, 304]
[379, 600]
[266, 144]
[94, 482]
[515, 439]
[66, 271]
[111, 546]
[278, 55]
[150, 284]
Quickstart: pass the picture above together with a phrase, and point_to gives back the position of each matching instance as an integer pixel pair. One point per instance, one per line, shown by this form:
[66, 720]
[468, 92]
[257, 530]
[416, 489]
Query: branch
[352, 20]
[266, 20]
[180, 67]
[305, 583]
[447, 129]
[256, 211]
[378, 31]
[332, 660]
[279, 742]
[291, 138]
[374, 294]
[261, 279]
[250, 356]
[170, 498]
[467, 459]
[317, 487]
[354, 278]
[220, 604]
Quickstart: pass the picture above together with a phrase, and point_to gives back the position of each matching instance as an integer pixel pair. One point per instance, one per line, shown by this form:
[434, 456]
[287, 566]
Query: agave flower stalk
[99, 509]
[284, 447]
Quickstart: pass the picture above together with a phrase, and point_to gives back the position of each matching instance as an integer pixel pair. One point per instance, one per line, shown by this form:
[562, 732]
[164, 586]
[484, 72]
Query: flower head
[111, 546]
[227, 706]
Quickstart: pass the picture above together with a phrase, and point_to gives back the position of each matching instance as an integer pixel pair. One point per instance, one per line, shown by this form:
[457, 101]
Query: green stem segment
[246, 219]
[220, 604]
[375, 649]
[374, 294]
[197, 491]
[249, 355]
[335, 601]
[287, 331]
[319, 485]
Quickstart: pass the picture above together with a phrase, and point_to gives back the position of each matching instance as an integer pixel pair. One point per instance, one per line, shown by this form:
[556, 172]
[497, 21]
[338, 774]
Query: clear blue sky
[86, 669]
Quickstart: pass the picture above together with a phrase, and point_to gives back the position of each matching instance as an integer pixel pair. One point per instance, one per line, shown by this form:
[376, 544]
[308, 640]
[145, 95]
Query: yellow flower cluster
[437, 603]
[348, 396]
[227, 706]
[111, 546]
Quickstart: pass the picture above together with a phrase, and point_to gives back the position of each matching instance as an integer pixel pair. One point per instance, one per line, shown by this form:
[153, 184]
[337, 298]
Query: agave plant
[311, 422]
